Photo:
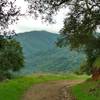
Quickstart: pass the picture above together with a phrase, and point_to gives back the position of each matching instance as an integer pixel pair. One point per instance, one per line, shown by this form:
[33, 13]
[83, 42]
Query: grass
[88, 90]
[14, 89]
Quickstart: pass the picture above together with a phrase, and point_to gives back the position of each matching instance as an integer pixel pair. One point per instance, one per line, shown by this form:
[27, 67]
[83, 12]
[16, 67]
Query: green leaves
[11, 56]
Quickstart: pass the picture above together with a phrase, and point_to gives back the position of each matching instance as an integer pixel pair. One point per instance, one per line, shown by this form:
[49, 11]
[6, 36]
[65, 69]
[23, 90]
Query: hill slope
[42, 55]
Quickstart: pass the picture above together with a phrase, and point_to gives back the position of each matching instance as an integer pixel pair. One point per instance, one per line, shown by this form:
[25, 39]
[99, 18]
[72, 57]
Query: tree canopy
[11, 57]
[9, 13]
[80, 24]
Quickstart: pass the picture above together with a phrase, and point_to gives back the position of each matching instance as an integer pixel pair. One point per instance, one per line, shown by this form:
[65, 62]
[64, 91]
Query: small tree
[11, 57]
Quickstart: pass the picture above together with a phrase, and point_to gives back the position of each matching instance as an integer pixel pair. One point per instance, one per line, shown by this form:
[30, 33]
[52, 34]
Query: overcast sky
[30, 24]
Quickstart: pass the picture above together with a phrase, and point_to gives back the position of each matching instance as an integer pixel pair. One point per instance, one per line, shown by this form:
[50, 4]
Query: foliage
[80, 24]
[9, 13]
[46, 8]
[9, 54]
[11, 57]
[14, 89]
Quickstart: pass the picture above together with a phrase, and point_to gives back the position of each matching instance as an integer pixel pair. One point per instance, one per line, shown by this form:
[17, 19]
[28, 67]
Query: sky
[30, 24]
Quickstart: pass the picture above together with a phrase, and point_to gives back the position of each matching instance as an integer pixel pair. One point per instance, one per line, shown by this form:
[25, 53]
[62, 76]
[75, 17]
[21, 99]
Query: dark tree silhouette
[9, 13]
[11, 55]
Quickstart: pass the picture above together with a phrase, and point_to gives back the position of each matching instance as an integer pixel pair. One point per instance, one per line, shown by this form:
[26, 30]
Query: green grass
[14, 89]
[88, 90]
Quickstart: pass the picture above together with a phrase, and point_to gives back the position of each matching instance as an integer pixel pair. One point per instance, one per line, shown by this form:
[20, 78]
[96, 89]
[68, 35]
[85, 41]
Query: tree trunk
[96, 74]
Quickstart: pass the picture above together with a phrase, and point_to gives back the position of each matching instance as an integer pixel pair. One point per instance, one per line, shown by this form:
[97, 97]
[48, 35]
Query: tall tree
[79, 28]
[11, 56]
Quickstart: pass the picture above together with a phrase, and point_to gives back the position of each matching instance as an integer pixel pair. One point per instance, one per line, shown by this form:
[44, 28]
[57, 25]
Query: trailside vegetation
[11, 57]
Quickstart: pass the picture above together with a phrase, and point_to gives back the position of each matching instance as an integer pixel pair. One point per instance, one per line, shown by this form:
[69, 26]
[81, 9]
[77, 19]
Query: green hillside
[42, 55]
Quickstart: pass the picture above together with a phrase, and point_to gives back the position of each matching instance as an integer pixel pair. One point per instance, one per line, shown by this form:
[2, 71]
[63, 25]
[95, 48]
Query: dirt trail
[55, 90]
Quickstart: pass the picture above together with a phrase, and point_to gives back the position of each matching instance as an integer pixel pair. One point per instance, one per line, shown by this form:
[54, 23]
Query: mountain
[42, 55]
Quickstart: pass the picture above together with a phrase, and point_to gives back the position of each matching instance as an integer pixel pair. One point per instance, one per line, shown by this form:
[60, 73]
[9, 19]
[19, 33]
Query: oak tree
[80, 26]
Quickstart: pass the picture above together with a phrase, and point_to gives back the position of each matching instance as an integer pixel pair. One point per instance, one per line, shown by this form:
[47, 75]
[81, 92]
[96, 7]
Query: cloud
[30, 24]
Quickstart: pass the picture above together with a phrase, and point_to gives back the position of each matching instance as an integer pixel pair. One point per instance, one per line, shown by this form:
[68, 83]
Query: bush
[11, 57]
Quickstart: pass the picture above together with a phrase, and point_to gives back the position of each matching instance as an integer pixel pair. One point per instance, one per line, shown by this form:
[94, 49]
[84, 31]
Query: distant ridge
[42, 55]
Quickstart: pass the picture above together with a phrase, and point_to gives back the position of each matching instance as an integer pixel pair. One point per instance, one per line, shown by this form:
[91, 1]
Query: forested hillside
[42, 54]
